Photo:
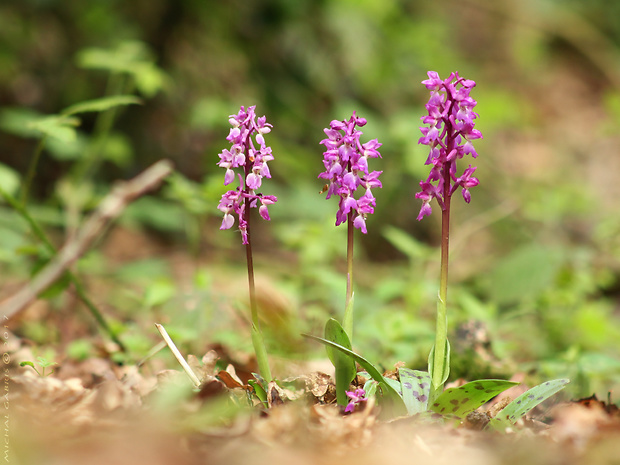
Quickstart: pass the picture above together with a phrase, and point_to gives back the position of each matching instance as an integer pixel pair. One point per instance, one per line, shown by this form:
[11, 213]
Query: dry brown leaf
[577, 424]
[229, 380]
[321, 386]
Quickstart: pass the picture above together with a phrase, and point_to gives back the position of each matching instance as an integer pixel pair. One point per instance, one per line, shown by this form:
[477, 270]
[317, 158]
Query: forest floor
[98, 412]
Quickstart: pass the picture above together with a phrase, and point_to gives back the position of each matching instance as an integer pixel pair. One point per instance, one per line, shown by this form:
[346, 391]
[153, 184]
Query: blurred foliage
[536, 255]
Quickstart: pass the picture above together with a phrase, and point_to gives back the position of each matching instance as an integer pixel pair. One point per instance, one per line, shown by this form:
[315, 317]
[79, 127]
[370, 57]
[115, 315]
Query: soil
[98, 412]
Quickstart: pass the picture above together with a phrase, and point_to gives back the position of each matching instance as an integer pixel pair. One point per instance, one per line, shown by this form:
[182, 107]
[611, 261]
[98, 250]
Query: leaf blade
[101, 104]
[344, 365]
[60, 127]
[527, 401]
[388, 391]
[458, 402]
[415, 388]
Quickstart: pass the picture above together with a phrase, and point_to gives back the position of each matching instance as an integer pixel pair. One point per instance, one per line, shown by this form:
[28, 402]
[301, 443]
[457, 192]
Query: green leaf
[524, 273]
[394, 384]
[373, 372]
[130, 57]
[415, 389]
[406, 243]
[149, 79]
[446, 362]
[9, 179]
[16, 120]
[117, 149]
[258, 390]
[344, 365]
[159, 292]
[390, 394]
[80, 349]
[57, 126]
[370, 387]
[68, 150]
[125, 58]
[44, 363]
[101, 104]
[526, 402]
[160, 214]
[460, 401]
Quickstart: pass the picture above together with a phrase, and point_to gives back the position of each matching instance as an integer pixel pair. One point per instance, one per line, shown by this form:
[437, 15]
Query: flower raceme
[250, 154]
[449, 135]
[346, 169]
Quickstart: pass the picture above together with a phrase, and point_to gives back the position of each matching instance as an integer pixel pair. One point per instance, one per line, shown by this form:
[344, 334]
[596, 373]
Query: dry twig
[109, 209]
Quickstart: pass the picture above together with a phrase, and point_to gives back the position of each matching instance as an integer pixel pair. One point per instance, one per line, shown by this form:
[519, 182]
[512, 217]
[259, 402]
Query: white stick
[178, 355]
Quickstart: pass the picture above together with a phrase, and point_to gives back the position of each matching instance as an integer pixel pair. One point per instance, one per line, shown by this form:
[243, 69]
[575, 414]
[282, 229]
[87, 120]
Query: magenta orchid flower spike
[250, 154]
[449, 135]
[346, 169]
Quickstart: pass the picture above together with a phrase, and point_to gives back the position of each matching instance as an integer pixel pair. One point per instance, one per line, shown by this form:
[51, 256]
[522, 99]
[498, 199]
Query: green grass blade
[458, 402]
[526, 402]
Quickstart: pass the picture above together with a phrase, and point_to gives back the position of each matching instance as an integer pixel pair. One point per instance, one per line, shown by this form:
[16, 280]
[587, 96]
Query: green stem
[347, 321]
[257, 337]
[79, 288]
[92, 308]
[440, 361]
[32, 170]
[101, 130]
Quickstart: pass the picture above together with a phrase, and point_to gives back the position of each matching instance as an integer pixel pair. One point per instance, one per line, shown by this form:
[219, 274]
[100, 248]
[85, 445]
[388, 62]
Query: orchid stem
[257, 336]
[347, 321]
[440, 361]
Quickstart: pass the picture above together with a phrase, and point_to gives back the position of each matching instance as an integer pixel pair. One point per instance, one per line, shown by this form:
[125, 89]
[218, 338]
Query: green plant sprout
[43, 364]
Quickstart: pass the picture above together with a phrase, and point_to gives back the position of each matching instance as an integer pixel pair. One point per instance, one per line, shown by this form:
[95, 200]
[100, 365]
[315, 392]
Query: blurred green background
[535, 256]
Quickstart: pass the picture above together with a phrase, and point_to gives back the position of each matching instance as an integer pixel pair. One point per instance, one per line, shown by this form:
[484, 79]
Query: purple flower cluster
[356, 397]
[449, 135]
[346, 168]
[251, 155]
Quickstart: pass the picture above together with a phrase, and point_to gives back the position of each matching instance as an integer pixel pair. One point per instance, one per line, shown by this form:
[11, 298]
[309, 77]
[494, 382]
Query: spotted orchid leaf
[526, 402]
[458, 402]
[415, 389]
